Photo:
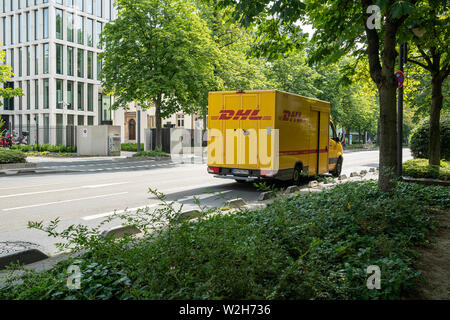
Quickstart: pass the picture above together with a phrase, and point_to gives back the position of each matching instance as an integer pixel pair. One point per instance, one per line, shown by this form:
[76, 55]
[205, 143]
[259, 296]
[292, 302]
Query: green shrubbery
[46, 147]
[314, 246]
[419, 168]
[420, 138]
[151, 153]
[131, 146]
[11, 156]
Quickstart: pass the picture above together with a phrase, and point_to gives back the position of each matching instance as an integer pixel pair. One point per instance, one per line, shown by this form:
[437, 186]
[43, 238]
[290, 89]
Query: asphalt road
[99, 187]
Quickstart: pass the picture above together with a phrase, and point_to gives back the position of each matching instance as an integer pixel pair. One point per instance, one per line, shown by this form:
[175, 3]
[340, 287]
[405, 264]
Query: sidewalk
[123, 155]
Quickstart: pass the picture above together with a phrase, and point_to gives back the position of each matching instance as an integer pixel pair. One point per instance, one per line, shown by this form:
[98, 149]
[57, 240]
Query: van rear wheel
[337, 170]
[296, 177]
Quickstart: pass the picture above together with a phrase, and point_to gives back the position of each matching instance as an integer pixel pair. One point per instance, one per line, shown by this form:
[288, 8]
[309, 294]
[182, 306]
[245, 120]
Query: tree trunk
[435, 114]
[158, 123]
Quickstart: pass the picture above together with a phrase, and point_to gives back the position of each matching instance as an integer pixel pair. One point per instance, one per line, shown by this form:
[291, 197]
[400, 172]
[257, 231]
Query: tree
[341, 27]
[6, 74]
[158, 52]
[431, 52]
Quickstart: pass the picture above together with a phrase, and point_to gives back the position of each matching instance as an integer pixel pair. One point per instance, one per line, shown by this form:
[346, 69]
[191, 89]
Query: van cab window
[332, 132]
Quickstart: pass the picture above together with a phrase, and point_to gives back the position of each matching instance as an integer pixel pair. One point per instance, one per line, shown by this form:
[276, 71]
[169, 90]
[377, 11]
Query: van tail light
[267, 173]
[213, 170]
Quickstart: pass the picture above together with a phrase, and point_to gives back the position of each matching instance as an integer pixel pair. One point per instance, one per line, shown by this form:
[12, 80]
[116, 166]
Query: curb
[7, 166]
[23, 257]
[190, 214]
[31, 172]
[426, 181]
[236, 203]
[267, 195]
[120, 231]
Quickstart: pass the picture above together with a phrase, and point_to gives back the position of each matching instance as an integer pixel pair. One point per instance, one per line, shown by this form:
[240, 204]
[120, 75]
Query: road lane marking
[110, 213]
[65, 201]
[65, 189]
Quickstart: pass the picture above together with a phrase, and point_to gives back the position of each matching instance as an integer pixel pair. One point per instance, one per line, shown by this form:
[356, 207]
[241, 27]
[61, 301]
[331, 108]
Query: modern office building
[53, 47]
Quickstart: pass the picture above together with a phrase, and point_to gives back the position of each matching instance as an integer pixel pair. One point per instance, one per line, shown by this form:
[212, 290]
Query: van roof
[272, 90]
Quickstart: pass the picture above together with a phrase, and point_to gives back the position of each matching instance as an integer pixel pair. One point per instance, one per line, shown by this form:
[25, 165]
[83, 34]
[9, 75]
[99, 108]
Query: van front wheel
[337, 170]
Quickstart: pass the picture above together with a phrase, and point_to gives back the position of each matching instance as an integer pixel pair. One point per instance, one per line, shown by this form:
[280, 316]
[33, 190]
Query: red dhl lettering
[291, 116]
[240, 115]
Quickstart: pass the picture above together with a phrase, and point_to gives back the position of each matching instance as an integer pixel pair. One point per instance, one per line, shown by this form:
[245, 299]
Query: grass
[131, 147]
[315, 246]
[419, 168]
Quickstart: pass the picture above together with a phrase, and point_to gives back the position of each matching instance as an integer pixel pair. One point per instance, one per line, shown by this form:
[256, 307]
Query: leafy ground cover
[130, 146]
[315, 246]
[151, 153]
[419, 168]
[11, 156]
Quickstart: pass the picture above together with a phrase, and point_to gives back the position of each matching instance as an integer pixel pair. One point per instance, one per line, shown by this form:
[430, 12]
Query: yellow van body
[307, 140]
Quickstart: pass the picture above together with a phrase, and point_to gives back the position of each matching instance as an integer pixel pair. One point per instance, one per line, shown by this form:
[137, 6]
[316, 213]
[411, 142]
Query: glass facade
[70, 61]
[80, 63]
[36, 24]
[59, 24]
[28, 53]
[90, 65]
[90, 32]
[59, 59]
[46, 94]
[98, 33]
[45, 17]
[70, 95]
[80, 30]
[80, 96]
[20, 62]
[28, 22]
[59, 94]
[36, 60]
[36, 94]
[90, 97]
[46, 63]
[69, 27]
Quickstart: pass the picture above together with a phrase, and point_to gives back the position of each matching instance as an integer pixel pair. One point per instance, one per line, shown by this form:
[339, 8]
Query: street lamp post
[138, 127]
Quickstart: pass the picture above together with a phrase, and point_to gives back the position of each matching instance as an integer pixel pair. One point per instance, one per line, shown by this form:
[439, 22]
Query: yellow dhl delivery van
[269, 134]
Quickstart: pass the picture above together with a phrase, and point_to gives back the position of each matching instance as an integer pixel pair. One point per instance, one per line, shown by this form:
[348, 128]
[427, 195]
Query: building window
[20, 101]
[4, 30]
[70, 27]
[70, 95]
[45, 49]
[45, 17]
[59, 94]
[20, 62]
[46, 128]
[80, 96]
[46, 94]
[19, 20]
[36, 25]
[12, 29]
[90, 106]
[28, 26]
[59, 24]
[90, 120]
[12, 60]
[180, 120]
[99, 8]
[28, 95]
[69, 61]
[90, 6]
[80, 30]
[80, 63]
[80, 120]
[59, 128]
[28, 53]
[108, 9]
[69, 3]
[59, 59]
[90, 65]
[98, 34]
[36, 94]
[8, 103]
[36, 60]
[99, 68]
[90, 32]
[80, 5]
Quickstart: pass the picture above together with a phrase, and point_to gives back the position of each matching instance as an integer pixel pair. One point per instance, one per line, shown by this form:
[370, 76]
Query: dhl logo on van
[291, 116]
[240, 114]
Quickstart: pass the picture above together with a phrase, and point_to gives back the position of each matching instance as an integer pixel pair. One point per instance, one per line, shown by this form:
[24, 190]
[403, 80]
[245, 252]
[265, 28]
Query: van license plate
[239, 171]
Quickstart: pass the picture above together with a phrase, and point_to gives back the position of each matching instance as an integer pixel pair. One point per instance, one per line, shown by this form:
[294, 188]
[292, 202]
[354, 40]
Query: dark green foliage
[420, 138]
[131, 146]
[420, 168]
[46, 147]
[11, 156]
[314, 246]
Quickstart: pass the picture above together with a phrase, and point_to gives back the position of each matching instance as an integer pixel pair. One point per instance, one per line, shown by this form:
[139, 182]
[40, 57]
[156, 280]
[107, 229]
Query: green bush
[11, 156]
[151, 153]
[419, 168]
[419, 141]
[314, 246]
[131, 146]
[45, 147]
